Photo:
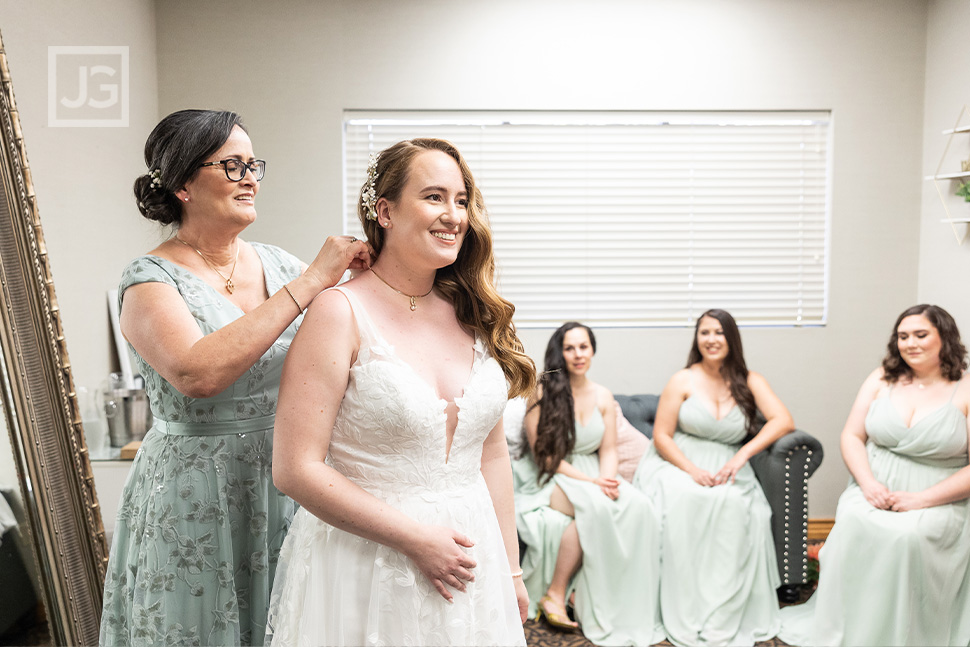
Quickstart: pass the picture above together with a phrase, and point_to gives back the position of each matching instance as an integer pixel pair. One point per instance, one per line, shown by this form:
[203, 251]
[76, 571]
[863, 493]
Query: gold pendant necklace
[414, 297]
[230, 287]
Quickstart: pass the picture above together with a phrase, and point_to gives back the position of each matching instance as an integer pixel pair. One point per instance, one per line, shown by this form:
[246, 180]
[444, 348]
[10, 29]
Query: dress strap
[279, 266]
[956, 387]
[369, 335]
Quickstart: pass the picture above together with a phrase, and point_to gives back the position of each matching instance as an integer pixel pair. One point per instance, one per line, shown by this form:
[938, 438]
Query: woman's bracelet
[517, 573]
[293, 297]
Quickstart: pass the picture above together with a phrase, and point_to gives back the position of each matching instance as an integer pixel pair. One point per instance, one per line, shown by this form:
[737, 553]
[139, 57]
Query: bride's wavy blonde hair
[469, 282]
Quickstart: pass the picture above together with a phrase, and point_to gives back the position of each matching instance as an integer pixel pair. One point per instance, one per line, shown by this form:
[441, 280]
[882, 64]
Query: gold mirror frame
[41, 409]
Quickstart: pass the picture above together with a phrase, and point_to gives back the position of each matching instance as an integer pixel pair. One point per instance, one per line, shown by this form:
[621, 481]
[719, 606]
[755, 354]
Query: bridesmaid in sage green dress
[587, 531]
[209, 318]
[895, 570]
[719, 574]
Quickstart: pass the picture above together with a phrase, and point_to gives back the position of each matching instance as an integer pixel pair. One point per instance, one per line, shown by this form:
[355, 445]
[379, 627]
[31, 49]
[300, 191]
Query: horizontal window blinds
[638, 219]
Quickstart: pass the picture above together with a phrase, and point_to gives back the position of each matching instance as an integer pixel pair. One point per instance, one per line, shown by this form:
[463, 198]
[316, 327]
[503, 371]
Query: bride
[389, 434]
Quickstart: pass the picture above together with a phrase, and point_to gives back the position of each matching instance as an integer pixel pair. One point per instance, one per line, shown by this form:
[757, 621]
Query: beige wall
[292, 67]
[83, 176]
[861, 59]
[944, 266]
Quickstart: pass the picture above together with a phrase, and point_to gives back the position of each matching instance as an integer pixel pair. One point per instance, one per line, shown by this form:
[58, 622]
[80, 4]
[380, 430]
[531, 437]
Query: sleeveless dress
[895, 578]
[718, 575]
[617, 584]
[336, 588]
[200, 523]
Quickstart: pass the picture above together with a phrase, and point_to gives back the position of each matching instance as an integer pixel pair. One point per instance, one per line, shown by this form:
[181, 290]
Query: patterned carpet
[540, 634]
[537, 634]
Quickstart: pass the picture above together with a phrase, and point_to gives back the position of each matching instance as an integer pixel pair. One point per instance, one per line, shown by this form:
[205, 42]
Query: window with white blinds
[638, 219]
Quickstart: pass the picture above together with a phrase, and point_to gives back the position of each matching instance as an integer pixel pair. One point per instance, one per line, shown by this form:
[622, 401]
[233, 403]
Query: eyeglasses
[236, 169]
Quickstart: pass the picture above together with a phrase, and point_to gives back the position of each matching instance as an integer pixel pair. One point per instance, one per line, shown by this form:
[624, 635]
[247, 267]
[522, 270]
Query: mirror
[61, 521]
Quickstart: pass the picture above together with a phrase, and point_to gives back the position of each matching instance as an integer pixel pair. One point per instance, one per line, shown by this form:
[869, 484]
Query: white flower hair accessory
[369, 194]
[156, 176]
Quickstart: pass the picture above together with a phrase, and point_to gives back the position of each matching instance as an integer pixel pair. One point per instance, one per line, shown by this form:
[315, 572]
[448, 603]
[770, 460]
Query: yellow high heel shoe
[559, 621]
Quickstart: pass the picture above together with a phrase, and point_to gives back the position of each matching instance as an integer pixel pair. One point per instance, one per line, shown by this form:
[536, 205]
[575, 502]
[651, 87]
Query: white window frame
[638, 219]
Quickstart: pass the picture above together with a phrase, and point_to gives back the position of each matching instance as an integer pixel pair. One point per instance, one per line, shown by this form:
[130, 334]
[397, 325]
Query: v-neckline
[393, 354]
[706, 410]
[912, 424]
[398, 359]
[591, 416]
[472, 372]
[198, 278]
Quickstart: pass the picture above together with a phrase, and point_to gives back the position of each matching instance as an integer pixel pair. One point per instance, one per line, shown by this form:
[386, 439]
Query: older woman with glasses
[209, 317]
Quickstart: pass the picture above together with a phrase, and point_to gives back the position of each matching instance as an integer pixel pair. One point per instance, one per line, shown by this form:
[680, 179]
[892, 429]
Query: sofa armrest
[783, 471]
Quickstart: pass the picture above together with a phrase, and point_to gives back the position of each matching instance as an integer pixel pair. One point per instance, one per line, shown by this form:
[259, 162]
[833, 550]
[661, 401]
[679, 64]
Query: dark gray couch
[783, 471]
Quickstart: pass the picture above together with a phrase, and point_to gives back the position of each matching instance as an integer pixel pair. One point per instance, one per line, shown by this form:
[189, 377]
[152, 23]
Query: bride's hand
[439, 556]
[522, 597]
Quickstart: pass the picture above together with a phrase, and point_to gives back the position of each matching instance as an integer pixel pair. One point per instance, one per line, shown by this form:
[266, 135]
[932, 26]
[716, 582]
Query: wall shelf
[949, 176]
[964, 176]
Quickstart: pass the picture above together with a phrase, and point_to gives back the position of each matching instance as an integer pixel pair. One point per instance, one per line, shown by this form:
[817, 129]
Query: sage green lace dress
[200, 523]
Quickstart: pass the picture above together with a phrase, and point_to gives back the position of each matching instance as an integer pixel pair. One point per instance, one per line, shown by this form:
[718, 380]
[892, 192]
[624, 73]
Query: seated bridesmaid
[719, 575]
[585, 529]
[895, 569]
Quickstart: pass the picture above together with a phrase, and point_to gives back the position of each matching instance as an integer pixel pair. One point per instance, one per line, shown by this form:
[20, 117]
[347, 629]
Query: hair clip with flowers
[369, 195]
[156, 176]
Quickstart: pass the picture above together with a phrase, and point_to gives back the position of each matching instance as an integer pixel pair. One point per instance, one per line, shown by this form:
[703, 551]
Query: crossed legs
[553, 604]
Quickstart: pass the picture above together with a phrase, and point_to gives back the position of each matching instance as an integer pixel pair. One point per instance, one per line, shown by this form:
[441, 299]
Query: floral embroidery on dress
[200, 524]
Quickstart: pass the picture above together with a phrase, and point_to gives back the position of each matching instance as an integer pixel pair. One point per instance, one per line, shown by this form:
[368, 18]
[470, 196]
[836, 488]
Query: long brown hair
[953, 354]
[469, 282]
[734, 370]
[556, 430]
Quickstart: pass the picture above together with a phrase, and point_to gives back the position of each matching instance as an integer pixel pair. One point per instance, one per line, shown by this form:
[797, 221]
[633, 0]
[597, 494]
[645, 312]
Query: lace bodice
[390, 433]
[390, 437]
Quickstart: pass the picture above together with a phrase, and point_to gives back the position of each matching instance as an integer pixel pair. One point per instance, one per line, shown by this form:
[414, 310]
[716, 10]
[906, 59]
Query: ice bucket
[128, 415]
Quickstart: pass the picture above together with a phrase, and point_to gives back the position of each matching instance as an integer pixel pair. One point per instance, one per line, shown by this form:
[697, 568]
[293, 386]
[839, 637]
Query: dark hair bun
[174, 150]
[156, 203]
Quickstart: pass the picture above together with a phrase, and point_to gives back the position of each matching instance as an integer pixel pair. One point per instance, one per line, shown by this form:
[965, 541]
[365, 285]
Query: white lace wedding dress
[335, 588]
